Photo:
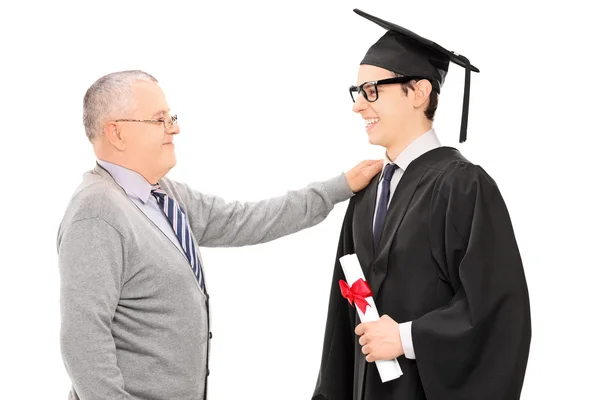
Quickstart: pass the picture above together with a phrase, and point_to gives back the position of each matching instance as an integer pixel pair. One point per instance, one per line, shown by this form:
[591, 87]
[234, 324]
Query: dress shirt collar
[132, 182]
[421, 145]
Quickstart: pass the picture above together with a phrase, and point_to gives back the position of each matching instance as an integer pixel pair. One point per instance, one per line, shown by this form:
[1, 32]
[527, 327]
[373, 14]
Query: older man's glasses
[167, 122]
[369, 89]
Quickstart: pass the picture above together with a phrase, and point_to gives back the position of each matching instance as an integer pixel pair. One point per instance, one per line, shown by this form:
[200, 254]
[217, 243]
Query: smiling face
[396, 118]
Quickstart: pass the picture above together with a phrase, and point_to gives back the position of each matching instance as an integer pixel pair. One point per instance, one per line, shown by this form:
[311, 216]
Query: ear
[112, 132]
[422, 91]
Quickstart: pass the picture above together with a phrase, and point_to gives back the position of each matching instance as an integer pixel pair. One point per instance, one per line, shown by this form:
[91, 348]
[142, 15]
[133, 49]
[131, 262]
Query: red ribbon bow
[356, 293]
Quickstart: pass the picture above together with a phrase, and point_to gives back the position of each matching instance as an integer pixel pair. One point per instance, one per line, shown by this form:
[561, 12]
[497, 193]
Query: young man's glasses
[369, 89]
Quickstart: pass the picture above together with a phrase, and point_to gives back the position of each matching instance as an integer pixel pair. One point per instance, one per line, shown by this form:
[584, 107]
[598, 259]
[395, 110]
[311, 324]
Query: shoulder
[95, 199]
[461, 185]
[195, 203]
[185, 194]
[461, 177]
[174, 187]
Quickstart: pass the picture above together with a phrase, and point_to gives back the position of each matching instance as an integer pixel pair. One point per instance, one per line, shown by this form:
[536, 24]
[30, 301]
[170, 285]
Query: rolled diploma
[388, 369]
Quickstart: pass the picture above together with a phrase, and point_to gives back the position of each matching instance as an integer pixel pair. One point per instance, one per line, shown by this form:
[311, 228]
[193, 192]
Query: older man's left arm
[217, 223]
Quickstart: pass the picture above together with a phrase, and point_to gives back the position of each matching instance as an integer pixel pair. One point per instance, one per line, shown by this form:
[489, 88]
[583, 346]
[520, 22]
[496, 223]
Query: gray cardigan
[134, 321]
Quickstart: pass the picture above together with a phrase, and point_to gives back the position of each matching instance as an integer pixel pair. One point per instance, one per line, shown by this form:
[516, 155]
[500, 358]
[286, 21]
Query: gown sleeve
[477, 346]
[336, 372]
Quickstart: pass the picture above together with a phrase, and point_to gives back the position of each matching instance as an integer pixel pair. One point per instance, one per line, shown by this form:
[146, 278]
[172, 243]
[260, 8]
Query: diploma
[357, 290]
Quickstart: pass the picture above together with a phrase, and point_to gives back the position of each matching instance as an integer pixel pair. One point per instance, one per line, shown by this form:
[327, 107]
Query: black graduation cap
[406, 53]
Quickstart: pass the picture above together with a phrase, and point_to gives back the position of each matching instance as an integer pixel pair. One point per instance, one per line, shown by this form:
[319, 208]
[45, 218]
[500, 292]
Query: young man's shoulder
[457, 173]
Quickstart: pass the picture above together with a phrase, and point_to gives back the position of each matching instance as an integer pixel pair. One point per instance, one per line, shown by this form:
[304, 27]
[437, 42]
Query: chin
[375, 139]
[168, 165]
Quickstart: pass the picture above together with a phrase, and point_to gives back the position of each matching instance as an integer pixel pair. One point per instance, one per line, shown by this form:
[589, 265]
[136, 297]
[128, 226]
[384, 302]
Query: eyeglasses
[369, 89]
[167, 123]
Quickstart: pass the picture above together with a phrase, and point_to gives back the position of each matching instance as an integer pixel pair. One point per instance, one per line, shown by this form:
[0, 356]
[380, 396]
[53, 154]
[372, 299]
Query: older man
[134, 302]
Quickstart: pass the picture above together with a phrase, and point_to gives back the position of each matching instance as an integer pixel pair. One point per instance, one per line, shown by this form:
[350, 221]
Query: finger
[372, 162]
[366, 350]
[363, 164]
[361, 328]
[377, 166]
[372, 170]
[370, 358]
[363, 340]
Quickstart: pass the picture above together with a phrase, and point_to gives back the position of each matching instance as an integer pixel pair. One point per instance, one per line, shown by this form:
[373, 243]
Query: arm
[477, 346]
[215, 222]
[90, 266]
[335, 380]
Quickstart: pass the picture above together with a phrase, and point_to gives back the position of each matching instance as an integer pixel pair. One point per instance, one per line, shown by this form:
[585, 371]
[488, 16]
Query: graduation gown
[448, 261]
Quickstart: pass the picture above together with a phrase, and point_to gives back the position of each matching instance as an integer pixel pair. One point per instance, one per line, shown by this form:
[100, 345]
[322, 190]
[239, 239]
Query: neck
[118, 159]
[404, 139]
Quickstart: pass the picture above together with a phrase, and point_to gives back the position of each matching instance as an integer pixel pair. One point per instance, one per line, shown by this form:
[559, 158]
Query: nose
[360, 104]
[174, 130]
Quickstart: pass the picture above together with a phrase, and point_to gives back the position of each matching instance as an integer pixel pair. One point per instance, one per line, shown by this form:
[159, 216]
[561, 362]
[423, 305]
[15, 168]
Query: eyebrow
[156, 114]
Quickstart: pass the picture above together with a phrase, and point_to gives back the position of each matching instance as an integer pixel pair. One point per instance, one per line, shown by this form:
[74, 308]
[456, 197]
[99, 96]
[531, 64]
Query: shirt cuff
[406, 338]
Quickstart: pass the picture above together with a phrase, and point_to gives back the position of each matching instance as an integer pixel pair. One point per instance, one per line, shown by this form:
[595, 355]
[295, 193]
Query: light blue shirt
[424, 143]
[138, 189]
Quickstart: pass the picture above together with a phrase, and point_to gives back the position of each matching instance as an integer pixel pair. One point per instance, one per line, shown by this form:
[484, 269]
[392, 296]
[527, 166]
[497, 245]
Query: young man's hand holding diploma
[380, 339]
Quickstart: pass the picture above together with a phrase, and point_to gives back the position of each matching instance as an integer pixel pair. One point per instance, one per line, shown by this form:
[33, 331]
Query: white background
[261, 93]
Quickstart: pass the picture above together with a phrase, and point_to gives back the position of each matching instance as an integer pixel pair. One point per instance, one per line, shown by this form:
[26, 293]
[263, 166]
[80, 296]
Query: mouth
[370, 123]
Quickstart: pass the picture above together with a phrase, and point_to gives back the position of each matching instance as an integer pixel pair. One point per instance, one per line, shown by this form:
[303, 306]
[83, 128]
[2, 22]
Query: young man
[436, 245]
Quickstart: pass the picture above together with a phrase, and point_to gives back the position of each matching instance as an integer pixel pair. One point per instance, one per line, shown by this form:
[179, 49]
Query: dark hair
[433, 99]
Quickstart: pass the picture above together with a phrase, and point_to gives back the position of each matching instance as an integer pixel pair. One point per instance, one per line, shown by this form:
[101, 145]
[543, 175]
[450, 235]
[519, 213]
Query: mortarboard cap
[406, 53]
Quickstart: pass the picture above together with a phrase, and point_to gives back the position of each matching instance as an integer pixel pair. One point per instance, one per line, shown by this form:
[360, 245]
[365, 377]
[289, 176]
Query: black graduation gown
[448, 261]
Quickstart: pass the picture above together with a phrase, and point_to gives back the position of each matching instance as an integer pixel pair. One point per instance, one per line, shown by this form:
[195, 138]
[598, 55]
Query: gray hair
[109, 97]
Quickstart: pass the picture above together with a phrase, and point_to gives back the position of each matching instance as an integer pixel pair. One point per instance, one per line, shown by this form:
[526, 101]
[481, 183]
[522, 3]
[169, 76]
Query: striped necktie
[180, 226]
